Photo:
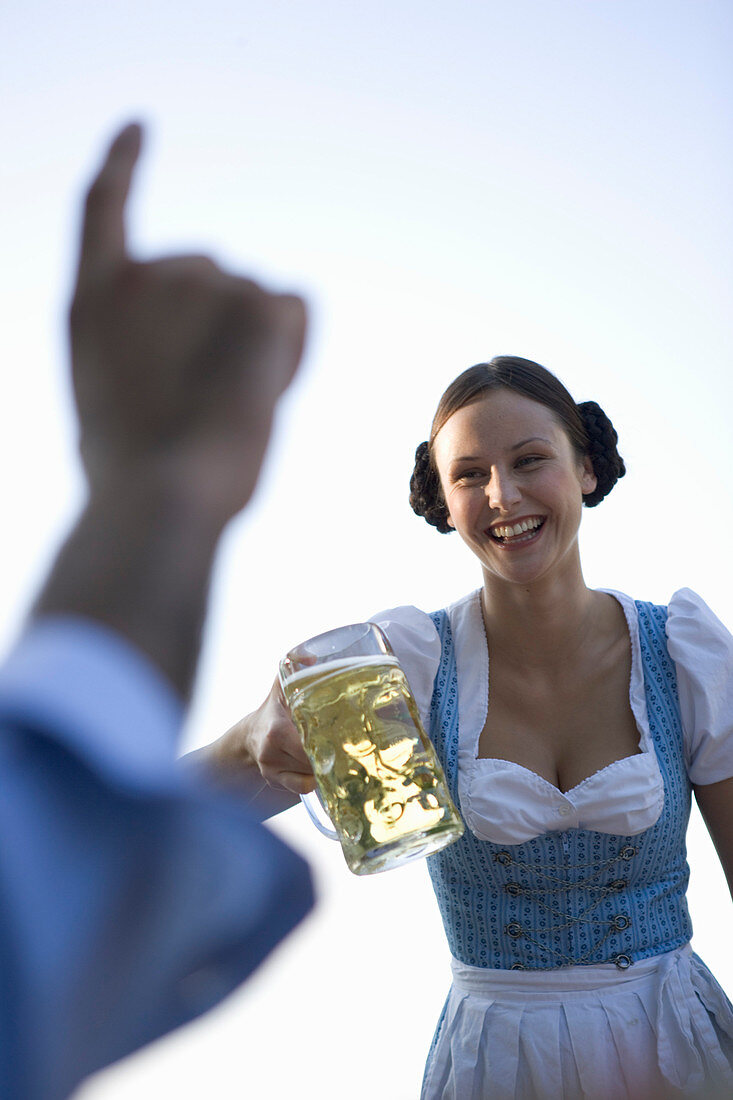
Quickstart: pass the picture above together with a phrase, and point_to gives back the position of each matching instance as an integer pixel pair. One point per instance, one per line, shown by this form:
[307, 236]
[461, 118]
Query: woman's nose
[503, 491]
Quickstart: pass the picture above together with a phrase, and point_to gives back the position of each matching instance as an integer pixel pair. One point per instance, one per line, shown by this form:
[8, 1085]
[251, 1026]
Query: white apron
[661, 1029]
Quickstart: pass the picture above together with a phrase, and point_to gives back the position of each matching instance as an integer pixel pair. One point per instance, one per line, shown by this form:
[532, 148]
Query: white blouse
[506, 803]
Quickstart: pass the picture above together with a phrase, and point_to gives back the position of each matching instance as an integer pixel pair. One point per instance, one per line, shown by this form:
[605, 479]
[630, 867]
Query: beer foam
[340, 664]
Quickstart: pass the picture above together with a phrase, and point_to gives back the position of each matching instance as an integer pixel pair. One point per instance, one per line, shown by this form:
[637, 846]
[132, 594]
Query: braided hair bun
[426, 493]
[608, 465]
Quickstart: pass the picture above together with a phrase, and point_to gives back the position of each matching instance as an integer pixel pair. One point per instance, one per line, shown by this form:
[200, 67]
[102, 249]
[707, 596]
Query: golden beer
[377, 772]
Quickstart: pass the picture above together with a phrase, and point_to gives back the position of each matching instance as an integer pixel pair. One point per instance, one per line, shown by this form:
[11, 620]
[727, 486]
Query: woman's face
[513, 484]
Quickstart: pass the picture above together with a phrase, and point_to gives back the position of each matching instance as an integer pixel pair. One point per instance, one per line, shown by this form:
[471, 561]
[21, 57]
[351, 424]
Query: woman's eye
[527, 460]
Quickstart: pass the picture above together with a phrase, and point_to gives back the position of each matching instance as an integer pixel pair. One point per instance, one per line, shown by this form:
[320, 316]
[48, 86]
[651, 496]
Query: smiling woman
[575, 789]
[572, 725]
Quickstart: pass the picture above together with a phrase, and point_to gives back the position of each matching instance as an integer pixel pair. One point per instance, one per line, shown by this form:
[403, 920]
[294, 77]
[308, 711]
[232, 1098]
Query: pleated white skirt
[661, 1029]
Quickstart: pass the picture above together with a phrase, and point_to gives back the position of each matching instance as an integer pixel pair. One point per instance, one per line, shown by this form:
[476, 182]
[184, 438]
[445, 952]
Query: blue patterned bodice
[578, 896]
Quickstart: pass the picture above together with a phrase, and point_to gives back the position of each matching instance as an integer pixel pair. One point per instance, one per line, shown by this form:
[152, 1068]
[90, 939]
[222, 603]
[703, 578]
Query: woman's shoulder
[701, 647]
[414, 618]
[415, 639]
[697, 640]
[404, 617]
[696, 637]
[416, 644]
[685, 610]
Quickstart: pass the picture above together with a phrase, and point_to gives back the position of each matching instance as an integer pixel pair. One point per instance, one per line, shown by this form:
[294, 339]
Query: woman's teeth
[511, 531]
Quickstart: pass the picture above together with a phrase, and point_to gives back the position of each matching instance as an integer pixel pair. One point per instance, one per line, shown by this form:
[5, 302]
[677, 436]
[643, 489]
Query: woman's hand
[267, 741]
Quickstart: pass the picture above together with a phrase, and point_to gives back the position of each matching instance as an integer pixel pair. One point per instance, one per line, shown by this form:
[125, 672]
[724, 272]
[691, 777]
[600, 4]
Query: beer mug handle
[310, 801]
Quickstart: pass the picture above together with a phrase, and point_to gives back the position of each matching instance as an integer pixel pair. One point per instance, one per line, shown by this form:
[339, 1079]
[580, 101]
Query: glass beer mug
[377, 774]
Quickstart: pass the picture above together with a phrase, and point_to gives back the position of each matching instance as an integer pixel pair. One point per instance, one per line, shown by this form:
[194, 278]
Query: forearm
[230, 761]
[242, 776]
[139, 563]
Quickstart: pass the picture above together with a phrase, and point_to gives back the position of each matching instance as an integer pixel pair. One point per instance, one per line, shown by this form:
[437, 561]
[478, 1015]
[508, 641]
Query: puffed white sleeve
[702, 650]
[416, 644]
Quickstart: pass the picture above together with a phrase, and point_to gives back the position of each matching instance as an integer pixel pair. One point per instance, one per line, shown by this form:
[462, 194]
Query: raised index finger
[103, 227]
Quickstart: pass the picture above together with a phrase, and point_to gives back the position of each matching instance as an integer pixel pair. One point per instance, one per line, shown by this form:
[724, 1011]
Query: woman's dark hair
[588, 428]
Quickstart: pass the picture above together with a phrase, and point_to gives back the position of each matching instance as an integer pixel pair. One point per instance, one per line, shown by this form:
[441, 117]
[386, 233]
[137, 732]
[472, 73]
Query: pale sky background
[445, 182]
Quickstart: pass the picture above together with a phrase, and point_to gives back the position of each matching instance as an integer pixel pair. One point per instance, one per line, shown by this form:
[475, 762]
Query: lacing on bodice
[548, 892]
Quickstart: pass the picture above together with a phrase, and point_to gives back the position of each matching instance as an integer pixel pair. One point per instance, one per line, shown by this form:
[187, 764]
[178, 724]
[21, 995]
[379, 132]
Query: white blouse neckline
[506, 802]
[481, 664]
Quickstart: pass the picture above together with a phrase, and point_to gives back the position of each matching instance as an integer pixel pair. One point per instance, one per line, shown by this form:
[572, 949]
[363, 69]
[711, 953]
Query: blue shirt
[133, 896]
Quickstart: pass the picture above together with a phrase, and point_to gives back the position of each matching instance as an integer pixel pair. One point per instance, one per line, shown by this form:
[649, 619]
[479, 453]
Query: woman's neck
[542, 624]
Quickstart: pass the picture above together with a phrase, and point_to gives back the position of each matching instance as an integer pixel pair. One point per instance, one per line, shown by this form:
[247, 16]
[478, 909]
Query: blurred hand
[267, 740]
[177, 364]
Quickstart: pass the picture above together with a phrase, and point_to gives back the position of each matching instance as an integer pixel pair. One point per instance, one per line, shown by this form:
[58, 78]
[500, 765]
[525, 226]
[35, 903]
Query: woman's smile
[515, 533]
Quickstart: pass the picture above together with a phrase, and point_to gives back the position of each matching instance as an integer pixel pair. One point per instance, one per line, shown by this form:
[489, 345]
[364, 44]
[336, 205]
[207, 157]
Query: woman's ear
[588, 480]
[450, 522]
